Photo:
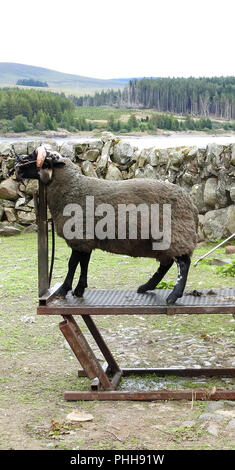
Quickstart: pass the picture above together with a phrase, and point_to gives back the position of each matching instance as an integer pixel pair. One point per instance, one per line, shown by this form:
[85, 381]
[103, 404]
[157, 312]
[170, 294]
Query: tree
[20, 123]
[111, 122]
[132, 122]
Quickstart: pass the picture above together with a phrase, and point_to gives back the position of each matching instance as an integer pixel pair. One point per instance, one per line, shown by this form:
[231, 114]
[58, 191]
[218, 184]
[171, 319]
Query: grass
[19, 272]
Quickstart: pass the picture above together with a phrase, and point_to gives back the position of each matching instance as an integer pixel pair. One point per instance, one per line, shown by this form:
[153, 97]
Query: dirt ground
[37, 366]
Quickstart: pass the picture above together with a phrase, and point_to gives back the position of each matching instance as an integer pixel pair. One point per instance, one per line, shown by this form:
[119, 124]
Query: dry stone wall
[208, 174]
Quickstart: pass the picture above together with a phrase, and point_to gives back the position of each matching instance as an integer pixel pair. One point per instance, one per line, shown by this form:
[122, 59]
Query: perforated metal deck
[103, 302]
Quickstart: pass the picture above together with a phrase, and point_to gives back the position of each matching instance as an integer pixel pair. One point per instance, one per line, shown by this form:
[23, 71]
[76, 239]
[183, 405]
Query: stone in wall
[222, 190]
[7, 230]
[91, 155]
[26, 218]
[88, 169]
[102, 164]
[191, 153]
[103, 159]
[67, 149]
[33, 144]
[1, 212]
[123, 154]
[31, 187]
[219, 223]
[152, 158]
[149, 171]
[10, 214]
[142, 158]
[210, 197]
[175, 158]
[9, 190]
[197, 195]
[213, 154]
[232, 192]
[162, 156]
[233, 154]
[201, 234]
[230, 222]
[113, 173]
[6, 149]
[20, 148]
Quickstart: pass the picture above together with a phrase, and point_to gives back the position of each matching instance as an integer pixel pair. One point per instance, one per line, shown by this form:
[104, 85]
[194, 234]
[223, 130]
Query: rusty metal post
[113, 366]
[83, 351]
[43, 277]
[149, 395]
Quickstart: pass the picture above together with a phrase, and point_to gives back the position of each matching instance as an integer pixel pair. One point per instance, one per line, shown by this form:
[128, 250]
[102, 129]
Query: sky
[122, 38]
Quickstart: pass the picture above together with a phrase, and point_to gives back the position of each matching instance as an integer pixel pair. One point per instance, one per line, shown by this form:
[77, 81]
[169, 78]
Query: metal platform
[105, 379]
[119, 302]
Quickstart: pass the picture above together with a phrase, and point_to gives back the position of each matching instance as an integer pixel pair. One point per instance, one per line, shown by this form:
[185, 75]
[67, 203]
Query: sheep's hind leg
[82, 283]
[72, 266]
[183, 263]
[156, 278]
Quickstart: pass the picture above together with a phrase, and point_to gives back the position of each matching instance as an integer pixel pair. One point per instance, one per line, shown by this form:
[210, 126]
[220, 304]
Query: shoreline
[66, 134]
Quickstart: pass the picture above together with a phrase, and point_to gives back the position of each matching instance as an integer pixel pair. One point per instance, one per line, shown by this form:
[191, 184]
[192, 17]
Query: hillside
[11, 72]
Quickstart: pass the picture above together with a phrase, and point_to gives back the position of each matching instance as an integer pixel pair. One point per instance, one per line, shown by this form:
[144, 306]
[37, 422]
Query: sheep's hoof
[78, 292]
[61, 294]
[141, 289]
[145, 288]
[171, 299]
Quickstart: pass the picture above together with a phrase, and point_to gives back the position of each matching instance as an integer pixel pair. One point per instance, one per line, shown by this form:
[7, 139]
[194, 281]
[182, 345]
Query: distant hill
[11, 72]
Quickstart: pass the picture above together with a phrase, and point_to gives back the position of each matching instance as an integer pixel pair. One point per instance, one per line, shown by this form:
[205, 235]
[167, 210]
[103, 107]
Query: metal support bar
[49, 294]
[83, 352]
[181, 372]
[113, 366]
[150, 395]
[43, 276]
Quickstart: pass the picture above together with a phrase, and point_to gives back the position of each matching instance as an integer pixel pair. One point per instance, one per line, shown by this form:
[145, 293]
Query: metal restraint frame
[105, 379]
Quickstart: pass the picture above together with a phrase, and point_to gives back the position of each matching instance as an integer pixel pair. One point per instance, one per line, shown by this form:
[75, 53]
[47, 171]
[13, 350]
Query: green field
[146, 120]
[102, 113]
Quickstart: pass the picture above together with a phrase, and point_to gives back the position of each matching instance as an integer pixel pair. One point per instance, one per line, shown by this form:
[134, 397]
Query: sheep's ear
[56, 158]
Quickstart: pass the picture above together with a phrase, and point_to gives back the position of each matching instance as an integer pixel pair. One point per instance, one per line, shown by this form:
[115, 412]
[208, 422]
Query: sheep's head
[39, 164]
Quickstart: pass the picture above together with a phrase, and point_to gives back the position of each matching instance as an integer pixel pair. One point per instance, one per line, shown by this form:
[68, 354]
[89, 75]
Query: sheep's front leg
[72, 266]
[156, 278]
[82, 283]
[183, 263]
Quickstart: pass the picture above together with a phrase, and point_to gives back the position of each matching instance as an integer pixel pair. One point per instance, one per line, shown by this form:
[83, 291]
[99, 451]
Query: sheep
[66, 186]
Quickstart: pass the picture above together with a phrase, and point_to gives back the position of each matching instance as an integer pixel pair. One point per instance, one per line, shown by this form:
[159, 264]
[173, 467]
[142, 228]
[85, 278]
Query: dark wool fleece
[68, 186]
